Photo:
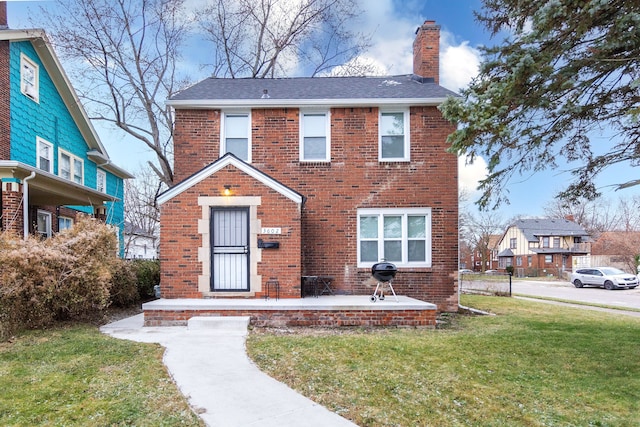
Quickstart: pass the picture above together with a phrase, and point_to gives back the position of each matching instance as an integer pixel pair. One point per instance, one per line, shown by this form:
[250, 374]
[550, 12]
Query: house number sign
[272, 230]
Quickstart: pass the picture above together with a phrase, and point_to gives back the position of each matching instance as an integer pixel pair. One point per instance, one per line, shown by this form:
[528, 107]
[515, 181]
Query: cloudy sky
[393, 24]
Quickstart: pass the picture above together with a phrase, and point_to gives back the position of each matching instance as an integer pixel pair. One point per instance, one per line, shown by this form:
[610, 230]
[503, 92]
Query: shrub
[67, 277]
[124, 289]
[148, 275]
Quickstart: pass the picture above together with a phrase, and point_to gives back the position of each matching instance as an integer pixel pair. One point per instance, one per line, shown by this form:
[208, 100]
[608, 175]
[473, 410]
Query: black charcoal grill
[383, 272]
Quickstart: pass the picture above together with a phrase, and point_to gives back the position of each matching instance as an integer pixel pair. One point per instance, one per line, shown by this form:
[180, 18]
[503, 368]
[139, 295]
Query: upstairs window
[29, 78]
[101, 181]
[45, 155]
[513, 243]
[315, 138]
[400, 236]
[394, 136]
[236, 135]
[556, 242]
[71, 167]
[545, 242]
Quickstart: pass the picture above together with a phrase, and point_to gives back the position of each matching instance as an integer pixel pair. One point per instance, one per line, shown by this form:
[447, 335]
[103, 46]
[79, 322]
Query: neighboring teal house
[51, 159]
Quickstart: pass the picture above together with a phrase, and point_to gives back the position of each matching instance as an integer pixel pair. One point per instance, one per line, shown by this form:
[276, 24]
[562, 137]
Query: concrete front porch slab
[339, 310]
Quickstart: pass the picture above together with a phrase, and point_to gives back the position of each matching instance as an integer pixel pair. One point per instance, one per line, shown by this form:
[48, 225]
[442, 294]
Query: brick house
[283, 178]
[542, 246]
[50, 155]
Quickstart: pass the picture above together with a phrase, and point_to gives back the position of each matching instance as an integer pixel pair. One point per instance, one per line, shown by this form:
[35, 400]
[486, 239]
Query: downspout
[25, 204]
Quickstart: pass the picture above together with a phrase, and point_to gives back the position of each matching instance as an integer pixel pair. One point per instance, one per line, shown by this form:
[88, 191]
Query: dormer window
[29, 78]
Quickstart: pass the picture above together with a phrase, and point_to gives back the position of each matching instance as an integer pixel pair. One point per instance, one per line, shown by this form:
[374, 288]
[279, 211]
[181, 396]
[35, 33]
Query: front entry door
[229, 232]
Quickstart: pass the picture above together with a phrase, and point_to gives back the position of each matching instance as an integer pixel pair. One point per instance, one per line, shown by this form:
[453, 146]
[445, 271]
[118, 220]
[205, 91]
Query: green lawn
[533, 364]
[76, 376]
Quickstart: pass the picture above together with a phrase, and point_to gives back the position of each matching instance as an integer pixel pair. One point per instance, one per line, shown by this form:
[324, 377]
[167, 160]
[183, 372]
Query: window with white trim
[393, 127]
[64, 223]
[29, 72]
[315, 136]
[43, 223]
[236, 135]
[101, 181]
[71, 167]
[400, 236]
[45, 155]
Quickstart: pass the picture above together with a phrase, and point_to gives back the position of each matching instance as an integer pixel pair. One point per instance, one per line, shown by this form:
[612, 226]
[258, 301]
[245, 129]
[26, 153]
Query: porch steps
[221, 323]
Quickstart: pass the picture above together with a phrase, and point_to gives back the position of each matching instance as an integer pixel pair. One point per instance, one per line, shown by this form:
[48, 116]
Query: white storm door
[229, 232]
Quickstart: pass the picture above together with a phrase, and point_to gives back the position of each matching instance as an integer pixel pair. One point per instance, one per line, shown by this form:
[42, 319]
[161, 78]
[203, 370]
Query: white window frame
[73, 163]
[43, 142]
[65, 219]
[47, 215]
[223, 132]
[327, 135]
[404, 213]
[407, 142]
[31, 89]
[101, 180]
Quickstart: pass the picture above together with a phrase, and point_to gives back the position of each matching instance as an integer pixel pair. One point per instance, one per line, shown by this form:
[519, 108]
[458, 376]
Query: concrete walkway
[208, 362]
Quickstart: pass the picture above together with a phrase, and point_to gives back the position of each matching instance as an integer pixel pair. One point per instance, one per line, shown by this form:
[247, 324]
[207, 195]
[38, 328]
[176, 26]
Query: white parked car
[607, 277]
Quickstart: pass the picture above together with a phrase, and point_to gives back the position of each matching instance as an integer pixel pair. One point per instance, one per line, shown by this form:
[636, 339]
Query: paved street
[625, 298]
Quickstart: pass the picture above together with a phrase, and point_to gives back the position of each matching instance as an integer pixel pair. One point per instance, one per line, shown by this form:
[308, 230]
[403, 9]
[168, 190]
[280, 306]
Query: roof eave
[289, 103]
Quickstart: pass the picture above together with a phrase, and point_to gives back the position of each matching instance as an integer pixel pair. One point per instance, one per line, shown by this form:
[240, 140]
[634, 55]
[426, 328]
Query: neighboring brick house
[282, 178]
[542, 246]
[50, 155]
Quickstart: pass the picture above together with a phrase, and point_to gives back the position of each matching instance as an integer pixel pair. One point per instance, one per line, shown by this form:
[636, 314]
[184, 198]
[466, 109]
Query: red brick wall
[11, 218]
[354, 179]
[332, 318]
[196, 141]
[179, 237]
[5, 126]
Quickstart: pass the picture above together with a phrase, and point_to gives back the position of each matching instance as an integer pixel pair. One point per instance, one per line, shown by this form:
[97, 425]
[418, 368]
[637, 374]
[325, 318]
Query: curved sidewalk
[208, 362]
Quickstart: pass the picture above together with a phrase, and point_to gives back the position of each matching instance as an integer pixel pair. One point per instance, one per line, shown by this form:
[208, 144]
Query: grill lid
[384, 271]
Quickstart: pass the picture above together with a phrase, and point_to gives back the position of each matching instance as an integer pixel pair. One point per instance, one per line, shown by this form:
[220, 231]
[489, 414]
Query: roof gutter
[289, 103]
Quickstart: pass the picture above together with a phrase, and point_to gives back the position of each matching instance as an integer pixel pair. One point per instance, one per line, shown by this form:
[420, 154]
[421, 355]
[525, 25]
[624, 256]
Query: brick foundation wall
[329, 318]
[353, 179]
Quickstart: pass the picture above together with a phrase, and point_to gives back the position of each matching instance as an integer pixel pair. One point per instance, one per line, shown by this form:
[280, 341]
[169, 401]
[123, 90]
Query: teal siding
[50, 119]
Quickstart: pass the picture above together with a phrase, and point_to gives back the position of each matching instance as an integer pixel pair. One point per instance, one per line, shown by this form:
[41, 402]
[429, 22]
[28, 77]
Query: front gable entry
[230, 209]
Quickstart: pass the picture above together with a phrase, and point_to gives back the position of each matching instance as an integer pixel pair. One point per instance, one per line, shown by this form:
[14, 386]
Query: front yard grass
[76, 376]
[533, 364]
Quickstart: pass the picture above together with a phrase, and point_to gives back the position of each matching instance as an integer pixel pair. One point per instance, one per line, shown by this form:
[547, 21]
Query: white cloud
[470, 174]
[458, 64]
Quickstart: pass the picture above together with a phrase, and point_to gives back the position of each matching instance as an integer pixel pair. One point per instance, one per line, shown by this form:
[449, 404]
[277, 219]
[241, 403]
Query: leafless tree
[595, 216]
[476, 230]
[269, 38]
[141, 209]
[124, 55]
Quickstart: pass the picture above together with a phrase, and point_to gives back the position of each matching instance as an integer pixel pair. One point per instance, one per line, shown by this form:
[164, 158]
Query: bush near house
[75, 275]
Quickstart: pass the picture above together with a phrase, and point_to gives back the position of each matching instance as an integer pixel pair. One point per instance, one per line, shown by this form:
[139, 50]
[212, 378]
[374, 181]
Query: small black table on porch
[316, 286]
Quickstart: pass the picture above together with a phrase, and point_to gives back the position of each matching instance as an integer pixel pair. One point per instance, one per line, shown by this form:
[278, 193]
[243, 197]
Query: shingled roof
[404, 89]
[532, 228]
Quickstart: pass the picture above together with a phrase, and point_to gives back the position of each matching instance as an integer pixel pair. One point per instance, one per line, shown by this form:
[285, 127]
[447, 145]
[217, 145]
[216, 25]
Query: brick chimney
[4, 22]
[426, 51]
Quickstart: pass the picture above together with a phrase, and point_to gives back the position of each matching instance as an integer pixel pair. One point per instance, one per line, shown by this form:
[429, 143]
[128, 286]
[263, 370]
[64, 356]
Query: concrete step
[226, 323]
